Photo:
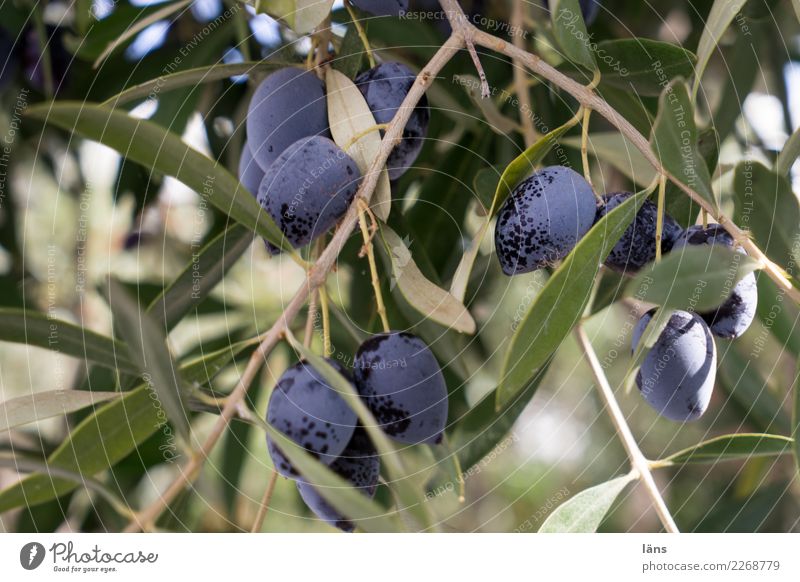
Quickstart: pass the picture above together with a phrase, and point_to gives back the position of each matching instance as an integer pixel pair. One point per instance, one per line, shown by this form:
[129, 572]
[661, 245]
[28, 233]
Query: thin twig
[662, 192]
[373, 268]
[588, 98]
[521, 87]
[264, 507]
[314, 279]
[638, 460]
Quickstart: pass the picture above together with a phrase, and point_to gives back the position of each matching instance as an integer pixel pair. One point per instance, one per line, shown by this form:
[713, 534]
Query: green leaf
[796, 417]
[570, 32]
[110, 434]
[561, 302]
[642, 65]
[37, 329]
[732, 446]
[584, 512]
[767, 207]
[152, 146]
[200, 276]
[696, 278]
[722, 14]
[351, 53]
[524, 164]
[40, 405]
[789, 153]
[431, 301]
[617, 150]
[674, 140]
[302, 16]
[189, 78]
[485, 186]
[100, 441]
[147, 345]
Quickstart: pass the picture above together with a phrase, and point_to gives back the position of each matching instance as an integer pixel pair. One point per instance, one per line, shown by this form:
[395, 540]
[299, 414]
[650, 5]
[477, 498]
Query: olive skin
[731, 319]
[288, 105]
[360, 465]
[311, 413]
[382, 7]
[250, 173]
[384, 88]
[401, 382]
[543, 219]
[637, 247]
[309, 188]
[677, 376]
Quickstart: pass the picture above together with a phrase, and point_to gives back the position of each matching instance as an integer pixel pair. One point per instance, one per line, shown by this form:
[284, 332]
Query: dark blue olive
[543, 220]
[402, 384]
[731, 319]
[637, 247]
[359, 464]
[288, 105]
[250, 173]
[309, 188]
[309, 411]
[384, 87]
[677, 375]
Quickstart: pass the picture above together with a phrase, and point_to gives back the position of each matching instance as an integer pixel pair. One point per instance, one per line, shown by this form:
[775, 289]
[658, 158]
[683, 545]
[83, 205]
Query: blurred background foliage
[73, 211]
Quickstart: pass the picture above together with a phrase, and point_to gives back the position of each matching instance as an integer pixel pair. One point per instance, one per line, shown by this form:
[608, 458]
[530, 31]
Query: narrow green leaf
[200, 276]
[617, 150]
[796, 417]
[789, 153]
[525, 163]
[561, 302]
[570, 32]
[733, 446]
[37, 329]
[110, 434]
[152, 146]
[147, 344]
[423, 295]
[674, 140]
[38, 406]
[351, 53]
[697, 278]
[302, 16]
[643, 65]
[766, 206]
[722, 14]
[584, 512]
[190, 78]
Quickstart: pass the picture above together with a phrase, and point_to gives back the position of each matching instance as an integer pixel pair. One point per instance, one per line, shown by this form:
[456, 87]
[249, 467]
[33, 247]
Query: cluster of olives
[301, 178]
[546, 216]
[400, 381]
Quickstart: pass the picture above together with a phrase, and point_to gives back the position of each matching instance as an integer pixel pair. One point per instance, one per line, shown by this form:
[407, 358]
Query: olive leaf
[570, 32]
[731, 447]
[40, 405]
[302, 16]
[431, 301]
[619, 151]
[584, 512]
[353, 129]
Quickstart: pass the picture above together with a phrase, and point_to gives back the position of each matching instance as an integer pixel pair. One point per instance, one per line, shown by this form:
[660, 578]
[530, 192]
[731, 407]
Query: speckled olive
[543, 219]
[677, 375]
[308, 188]
[305, 408]
[382, 7]
[731, 319]
[637, 247]
[400, 381]
[250, 173]
[589, 9]
[288, 105]
[359, 464]
[384, 87]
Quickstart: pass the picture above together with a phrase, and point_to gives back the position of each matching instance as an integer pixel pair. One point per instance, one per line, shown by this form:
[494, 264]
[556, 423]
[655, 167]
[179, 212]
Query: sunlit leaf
[584, 512]
[40, 405]
[731, 447]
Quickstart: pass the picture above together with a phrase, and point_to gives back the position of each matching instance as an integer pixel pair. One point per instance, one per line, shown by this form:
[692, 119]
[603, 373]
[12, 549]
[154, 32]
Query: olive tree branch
[589, 98]
[315, 277]
[638, 461]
